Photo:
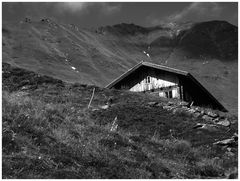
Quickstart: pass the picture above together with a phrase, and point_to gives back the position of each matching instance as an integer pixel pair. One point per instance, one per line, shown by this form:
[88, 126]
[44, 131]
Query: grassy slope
[48, 132]
[99, 58]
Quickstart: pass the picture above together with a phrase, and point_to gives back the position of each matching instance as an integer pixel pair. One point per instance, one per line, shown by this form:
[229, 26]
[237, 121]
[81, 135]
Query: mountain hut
[166, 82]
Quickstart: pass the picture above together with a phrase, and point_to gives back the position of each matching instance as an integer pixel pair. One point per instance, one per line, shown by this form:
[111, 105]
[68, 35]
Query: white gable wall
[156, 83]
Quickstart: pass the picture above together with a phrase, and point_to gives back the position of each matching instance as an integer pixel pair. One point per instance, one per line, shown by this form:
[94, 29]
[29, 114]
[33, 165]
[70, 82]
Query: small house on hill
[166, 82]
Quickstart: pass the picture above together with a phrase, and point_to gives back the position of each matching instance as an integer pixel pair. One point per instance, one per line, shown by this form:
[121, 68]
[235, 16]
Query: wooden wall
[145, 79]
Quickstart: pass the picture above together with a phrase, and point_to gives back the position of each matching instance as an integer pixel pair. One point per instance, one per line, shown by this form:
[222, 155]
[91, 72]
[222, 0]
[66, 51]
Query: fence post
[91, 98]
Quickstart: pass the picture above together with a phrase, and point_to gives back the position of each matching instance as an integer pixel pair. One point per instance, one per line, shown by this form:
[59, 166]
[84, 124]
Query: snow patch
[178, 31]
[146, 54]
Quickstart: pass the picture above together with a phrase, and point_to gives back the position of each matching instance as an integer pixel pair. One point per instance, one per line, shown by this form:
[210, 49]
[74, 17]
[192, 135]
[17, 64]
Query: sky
[96, 14]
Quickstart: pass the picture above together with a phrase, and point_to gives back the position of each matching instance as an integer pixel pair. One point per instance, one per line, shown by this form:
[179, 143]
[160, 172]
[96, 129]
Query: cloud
[197, 11]
[72, 7]
[152, 20]
[110, 9]
[77, 7]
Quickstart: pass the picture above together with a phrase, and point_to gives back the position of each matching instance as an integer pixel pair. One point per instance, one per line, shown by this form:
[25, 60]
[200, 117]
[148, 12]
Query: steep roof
[147, 64]
[167, 69]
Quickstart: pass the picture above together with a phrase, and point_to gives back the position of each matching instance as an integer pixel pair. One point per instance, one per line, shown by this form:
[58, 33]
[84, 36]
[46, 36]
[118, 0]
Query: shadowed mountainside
[208, 50]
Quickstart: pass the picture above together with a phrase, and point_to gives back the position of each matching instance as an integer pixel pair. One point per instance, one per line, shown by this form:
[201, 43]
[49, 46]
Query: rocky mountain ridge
[210, 38]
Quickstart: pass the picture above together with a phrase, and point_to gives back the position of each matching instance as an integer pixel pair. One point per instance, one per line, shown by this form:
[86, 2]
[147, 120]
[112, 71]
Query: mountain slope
[98, 56]
[216, 38]
[48, 132]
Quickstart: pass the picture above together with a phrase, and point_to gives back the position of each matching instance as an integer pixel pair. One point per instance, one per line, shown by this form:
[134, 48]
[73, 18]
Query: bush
[181, 147]
[209, 168]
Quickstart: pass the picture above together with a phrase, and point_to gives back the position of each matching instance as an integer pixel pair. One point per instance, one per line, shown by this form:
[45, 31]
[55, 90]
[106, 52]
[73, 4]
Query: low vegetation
[48, 132]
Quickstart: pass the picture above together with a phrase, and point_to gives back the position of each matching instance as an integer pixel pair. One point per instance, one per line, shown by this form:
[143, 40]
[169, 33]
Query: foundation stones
[152, 104]
[183, 104]
[207, 118]
[224, 122]
[227, 142]
[214, 117]
[212, 114]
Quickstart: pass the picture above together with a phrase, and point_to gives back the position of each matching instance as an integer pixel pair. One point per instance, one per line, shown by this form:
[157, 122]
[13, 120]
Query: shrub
[209, 167]
[181, 146]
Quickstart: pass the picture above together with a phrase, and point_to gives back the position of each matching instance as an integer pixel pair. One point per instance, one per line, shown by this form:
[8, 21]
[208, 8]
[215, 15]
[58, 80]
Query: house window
[168, 94]
[148, 80]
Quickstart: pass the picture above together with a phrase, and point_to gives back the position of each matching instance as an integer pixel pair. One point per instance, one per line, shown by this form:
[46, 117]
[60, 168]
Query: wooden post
[91, 98]
[191, 103]
[180, 92]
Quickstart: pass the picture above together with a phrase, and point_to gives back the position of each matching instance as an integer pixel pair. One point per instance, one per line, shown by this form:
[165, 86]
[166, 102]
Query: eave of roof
[168, 69]
[118, 79]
